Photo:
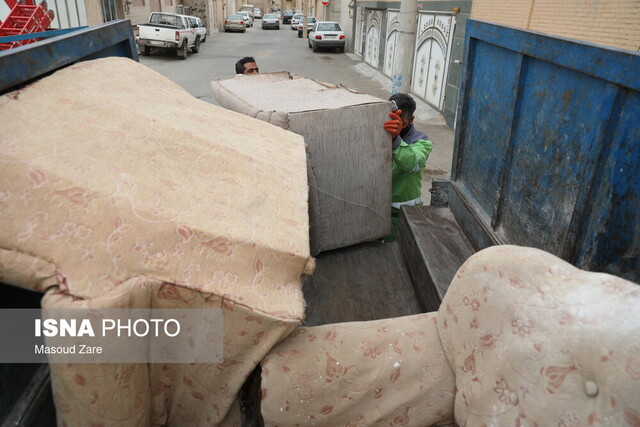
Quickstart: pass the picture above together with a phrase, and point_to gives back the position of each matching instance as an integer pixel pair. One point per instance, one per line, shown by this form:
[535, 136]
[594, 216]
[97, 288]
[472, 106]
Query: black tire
[309, 42]
[146, 51]
[315, 48]
[196, 45]
[244, 29]
[204, 39]
[226, 30]
[299, 35]
[183, 52]
[278, 27]
[341, 49]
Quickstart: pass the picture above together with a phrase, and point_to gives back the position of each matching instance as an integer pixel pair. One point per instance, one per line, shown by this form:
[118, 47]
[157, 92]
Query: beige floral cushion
[383, 372]
[536, 341]
[122, 190]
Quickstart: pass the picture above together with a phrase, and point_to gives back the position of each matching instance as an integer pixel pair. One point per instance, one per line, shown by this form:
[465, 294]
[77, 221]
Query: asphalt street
[282, 50]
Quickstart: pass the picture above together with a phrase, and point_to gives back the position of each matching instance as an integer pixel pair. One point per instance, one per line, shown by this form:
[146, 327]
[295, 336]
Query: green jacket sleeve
[412, 158]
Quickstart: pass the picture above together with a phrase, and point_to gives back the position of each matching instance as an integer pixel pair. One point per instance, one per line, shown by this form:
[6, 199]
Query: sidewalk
[427, 120]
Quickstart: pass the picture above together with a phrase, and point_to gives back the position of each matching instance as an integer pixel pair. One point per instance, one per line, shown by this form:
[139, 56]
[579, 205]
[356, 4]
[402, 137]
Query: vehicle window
[329, 26]
[269, 16]
[163, 19]
[235, 17]
[174, 20]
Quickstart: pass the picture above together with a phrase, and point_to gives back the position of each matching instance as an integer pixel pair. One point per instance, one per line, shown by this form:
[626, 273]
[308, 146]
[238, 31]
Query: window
[329, 26]
[164, 19]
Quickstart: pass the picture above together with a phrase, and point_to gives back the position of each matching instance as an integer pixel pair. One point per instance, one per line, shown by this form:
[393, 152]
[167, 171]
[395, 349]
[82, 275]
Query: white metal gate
[434, 38]
[372, 44]
[68, 13]
[393, 25]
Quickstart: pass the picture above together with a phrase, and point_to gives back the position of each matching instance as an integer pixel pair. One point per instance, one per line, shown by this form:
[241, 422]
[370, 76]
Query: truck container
[548, 158]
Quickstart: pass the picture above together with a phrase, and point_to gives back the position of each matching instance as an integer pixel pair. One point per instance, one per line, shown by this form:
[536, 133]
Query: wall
[609, 22]
[94, 12]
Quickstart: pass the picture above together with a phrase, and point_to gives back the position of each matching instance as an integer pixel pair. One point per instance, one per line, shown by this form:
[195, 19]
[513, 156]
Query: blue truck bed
[23, 64]
[548, 148]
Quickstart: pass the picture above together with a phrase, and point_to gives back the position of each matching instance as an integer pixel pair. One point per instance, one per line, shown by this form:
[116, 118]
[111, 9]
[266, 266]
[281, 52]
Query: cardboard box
[348, 151]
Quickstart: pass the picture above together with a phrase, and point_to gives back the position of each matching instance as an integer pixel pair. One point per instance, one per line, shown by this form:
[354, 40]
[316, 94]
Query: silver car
[248, 20]
[327, 34]
[234, 23]
[270, 20]
[310, 23]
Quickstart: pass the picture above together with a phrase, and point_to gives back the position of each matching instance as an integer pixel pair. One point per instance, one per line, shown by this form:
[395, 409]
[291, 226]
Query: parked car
[270, 20]
[310, 23]
[199, 26]
[327, 34]
[169, 31]
[295, 19]
[286, 17]
[248, 20]
[256, 13]
[235, 23]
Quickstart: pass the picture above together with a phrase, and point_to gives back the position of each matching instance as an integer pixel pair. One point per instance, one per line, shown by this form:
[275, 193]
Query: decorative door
[393, 25]
[372, 43]
[431, 61]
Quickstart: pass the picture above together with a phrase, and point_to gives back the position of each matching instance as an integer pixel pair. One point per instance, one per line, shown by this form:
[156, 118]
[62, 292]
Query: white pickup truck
[169, 31]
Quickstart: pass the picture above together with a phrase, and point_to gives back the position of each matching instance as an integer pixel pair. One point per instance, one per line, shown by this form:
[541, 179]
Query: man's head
[247, 65]
[407, 105]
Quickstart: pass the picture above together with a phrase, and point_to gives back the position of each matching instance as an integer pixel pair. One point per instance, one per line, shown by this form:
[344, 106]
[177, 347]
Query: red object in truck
[24, 19]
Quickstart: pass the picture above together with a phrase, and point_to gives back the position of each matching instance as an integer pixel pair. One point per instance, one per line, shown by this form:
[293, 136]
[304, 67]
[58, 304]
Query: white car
[256, 13]
[248, 21]
[327, 34]
[270, 20]
[295, 19]
[199, 26]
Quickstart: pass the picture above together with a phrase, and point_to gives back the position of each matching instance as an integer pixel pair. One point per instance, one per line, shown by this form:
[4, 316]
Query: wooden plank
[474, 222]
[433, 246]
[362, 282]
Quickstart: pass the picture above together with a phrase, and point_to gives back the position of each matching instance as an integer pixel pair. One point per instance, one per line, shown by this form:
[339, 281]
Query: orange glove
[394, 126]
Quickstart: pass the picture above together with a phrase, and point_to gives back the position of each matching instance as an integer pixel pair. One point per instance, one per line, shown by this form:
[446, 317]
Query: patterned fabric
[384, 372]
[530, 339]
[121, 190]
[536, 341]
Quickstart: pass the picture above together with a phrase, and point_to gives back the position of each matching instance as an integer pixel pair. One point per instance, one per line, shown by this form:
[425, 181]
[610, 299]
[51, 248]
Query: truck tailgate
[157, 32]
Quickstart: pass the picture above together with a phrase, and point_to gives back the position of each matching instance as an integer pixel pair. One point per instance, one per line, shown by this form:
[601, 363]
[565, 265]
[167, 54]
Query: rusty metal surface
[548, 145]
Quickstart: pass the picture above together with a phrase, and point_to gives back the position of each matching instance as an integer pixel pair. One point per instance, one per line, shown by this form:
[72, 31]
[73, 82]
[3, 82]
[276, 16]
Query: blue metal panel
[561, 122]
[23, 64]
[610, 232]
[483, 173]
[548, 145]
[40, 35]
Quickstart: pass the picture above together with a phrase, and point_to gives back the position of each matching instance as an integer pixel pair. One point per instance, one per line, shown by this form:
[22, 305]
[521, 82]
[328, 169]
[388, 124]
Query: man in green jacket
[410, 150]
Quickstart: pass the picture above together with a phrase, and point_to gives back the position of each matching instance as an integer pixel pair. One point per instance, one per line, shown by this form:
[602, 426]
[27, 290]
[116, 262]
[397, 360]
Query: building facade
[373, 29]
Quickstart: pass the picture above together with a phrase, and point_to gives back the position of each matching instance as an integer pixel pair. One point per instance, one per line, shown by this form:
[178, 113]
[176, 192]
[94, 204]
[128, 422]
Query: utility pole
[408, 20]
[304, 19]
